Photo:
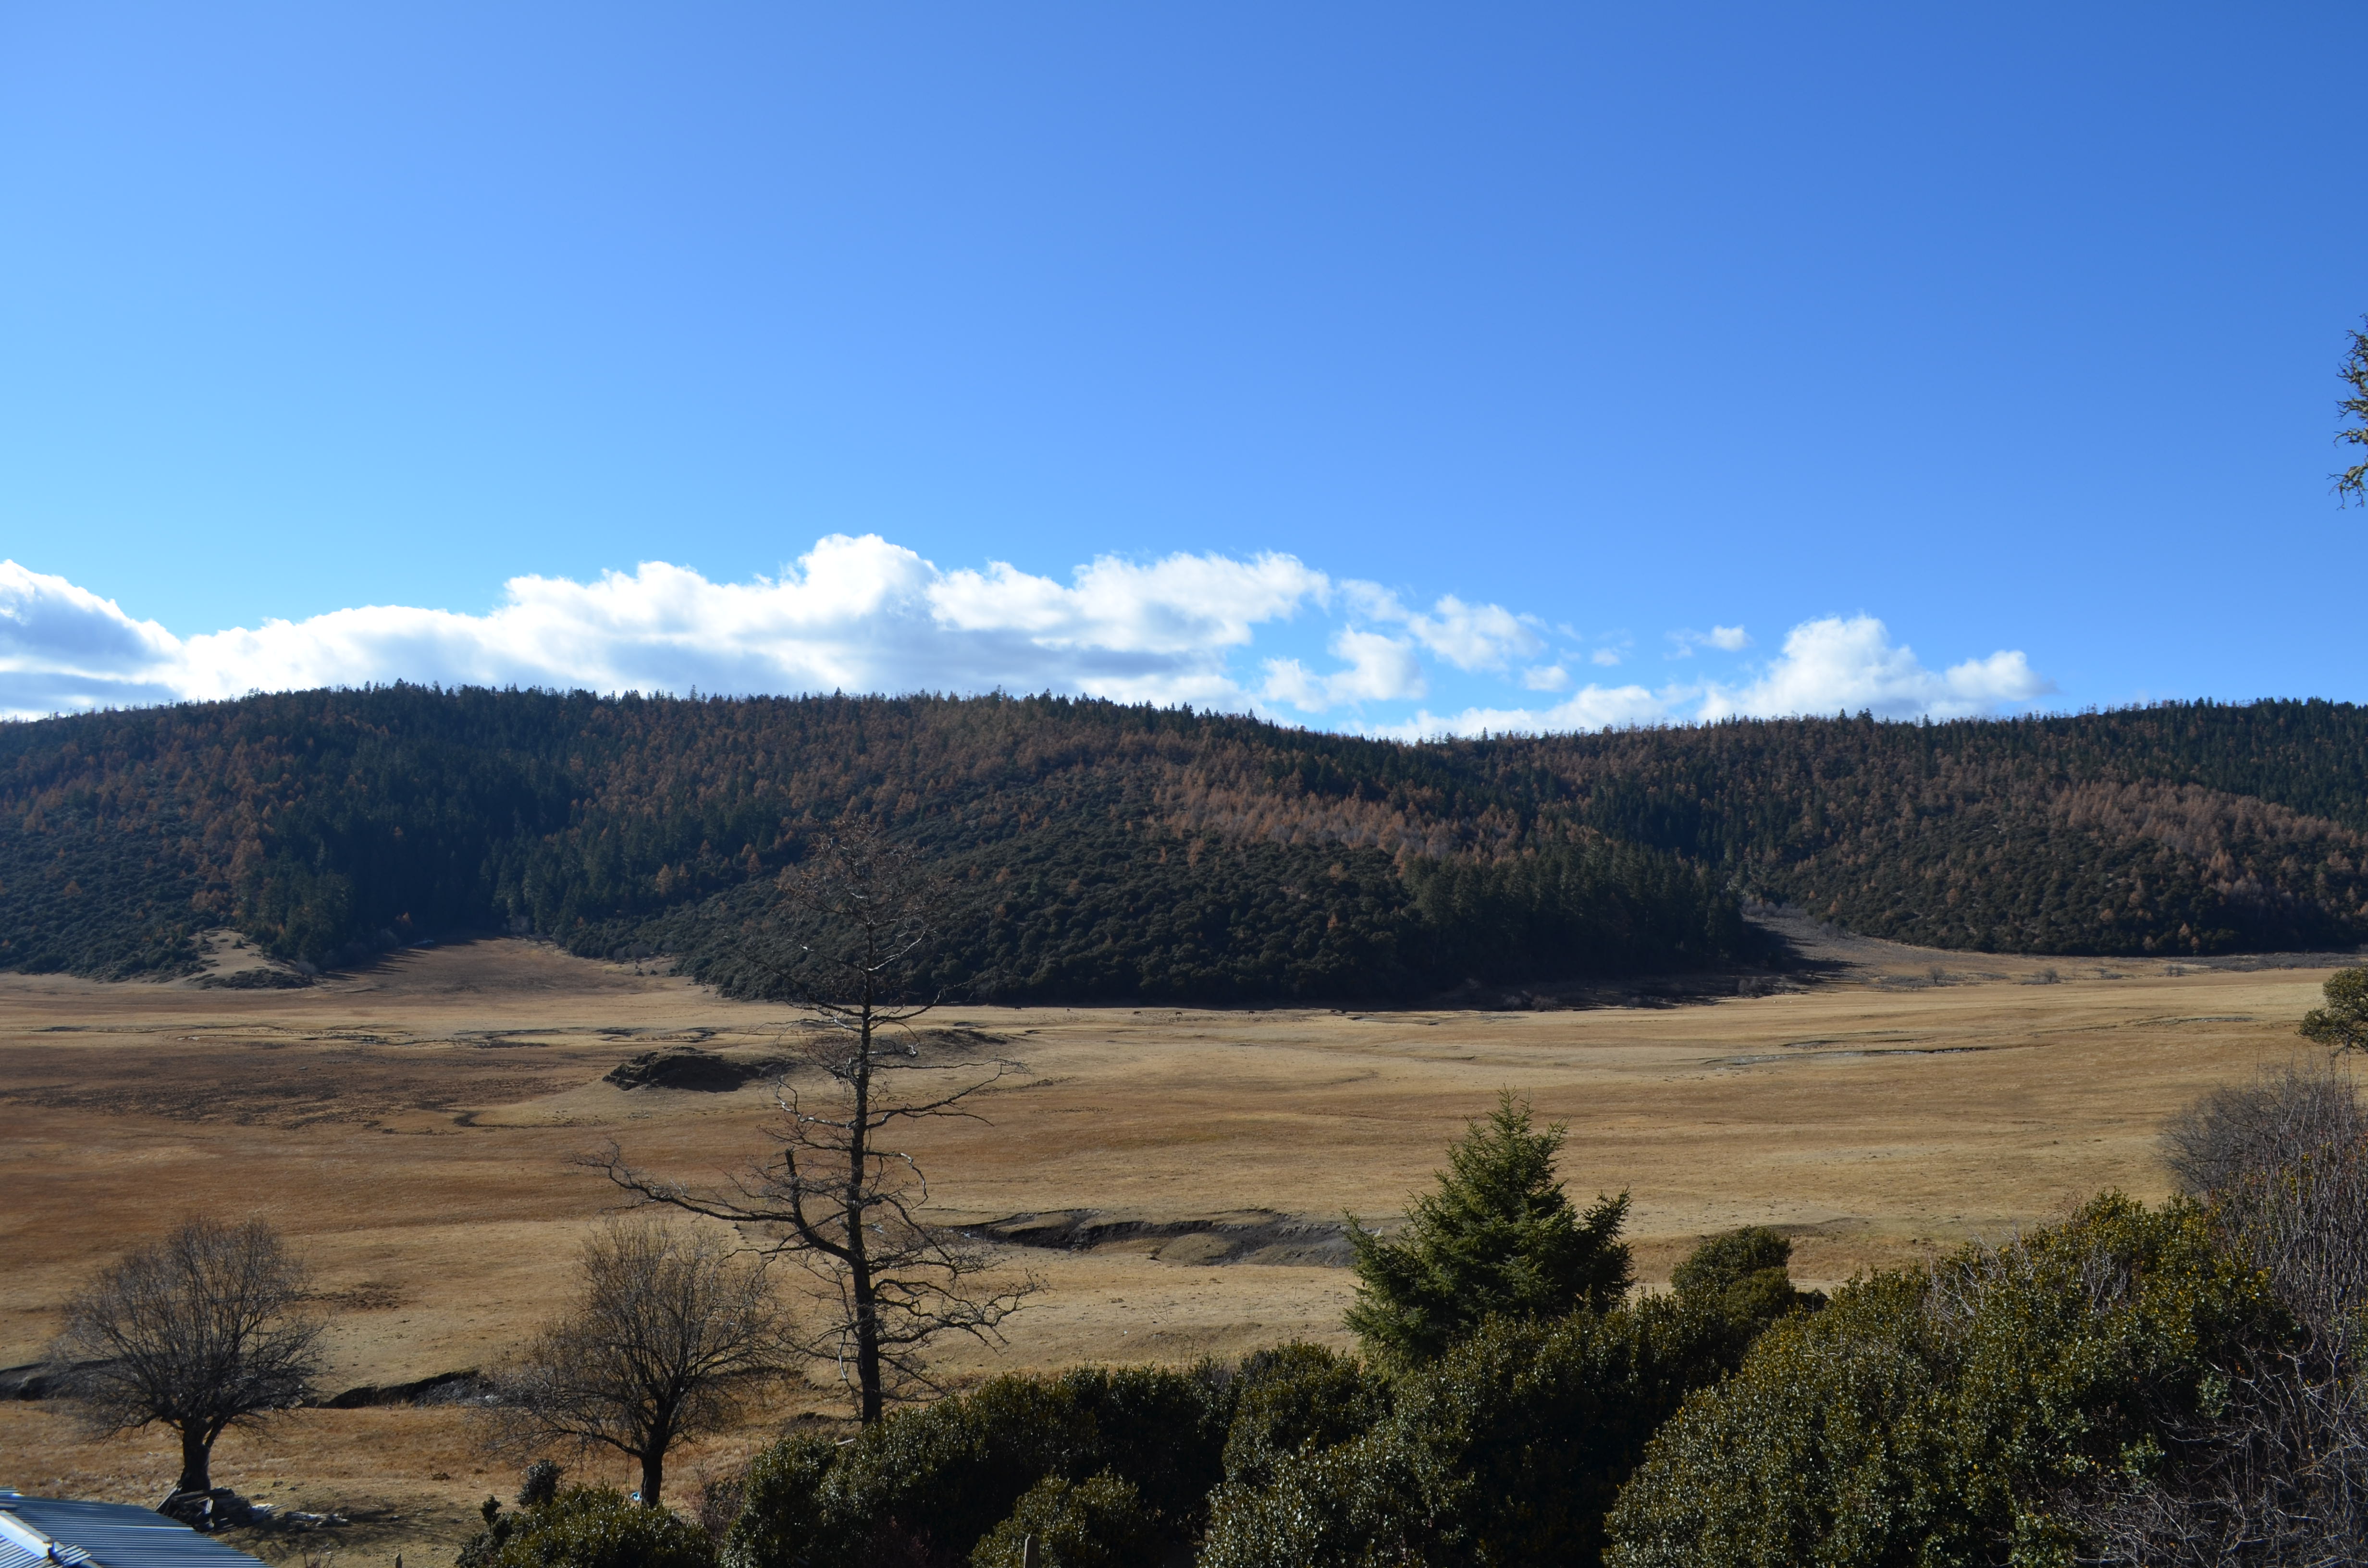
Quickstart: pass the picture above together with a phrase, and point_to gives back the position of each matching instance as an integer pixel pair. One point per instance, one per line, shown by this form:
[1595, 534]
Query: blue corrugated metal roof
[39, 1530]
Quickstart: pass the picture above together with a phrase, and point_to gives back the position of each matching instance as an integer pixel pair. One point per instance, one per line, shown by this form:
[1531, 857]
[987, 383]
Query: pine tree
[1499, 1238]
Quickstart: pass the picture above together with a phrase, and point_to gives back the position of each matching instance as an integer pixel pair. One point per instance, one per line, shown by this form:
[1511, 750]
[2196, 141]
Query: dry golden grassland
[413, 1126]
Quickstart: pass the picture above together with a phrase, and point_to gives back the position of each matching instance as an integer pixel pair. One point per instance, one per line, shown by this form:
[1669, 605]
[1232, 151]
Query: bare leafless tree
[203, 1331]
[836, 1194]
[2253, 1128]
[671, 1331]
[2273, 1469]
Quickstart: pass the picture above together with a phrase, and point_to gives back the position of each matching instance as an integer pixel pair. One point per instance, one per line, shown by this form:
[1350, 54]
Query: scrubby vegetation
[2132, 1385]
[586, 1527]
[1108, 852]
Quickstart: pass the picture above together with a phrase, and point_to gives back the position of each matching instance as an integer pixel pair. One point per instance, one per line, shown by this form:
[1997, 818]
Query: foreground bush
[1096, 1523]
[1508, 1448]
[2277, 1468]
[931, 1484]
[586, 1526]
[1744, 1276]
[1295, 1399]
[1971, 1415]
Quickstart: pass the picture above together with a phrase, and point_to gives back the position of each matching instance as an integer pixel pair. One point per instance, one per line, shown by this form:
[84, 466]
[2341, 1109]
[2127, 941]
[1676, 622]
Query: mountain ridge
[1166, 854]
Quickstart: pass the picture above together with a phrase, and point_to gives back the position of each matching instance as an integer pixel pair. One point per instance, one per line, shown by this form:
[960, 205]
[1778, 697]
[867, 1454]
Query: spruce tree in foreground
[1499, 1238]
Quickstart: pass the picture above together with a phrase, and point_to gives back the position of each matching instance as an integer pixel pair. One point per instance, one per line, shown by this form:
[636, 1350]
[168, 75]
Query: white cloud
[1726, 639]
[855, 615]
[62, 647]
[864, 615]
[1590, 708]
[1836, 665]
[1381, 669]
[1470, 637]
[1827, 666]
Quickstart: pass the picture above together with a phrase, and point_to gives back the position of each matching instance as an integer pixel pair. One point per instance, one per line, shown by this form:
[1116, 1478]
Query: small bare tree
[2276, 1469]
[2252, 1129]
[847, 1206]
[203, 1331]
[670, 1332]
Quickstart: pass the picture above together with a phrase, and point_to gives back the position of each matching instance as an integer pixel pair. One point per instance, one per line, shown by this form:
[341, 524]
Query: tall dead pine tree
[838, 1194]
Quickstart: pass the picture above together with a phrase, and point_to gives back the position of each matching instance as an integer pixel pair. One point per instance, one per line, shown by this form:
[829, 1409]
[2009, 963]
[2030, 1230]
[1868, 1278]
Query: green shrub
[1098, 1522]
[784, 1521]
[937, 1479]
[1498, 1238]
[540, 1485]
[1294, 1398]
[1345, 1506]
[586, 1526]
[1745, 1276]
[1161, 1431]
[950, 1472]
[1945, 1418]
[1508, 1448]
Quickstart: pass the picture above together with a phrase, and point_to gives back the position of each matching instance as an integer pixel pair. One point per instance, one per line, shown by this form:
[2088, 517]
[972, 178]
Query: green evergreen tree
[2342, 1024]
[1499, 1238]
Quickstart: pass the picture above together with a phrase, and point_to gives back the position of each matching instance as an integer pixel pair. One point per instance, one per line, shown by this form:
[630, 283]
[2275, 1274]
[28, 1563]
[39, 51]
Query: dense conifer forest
[1099, 851]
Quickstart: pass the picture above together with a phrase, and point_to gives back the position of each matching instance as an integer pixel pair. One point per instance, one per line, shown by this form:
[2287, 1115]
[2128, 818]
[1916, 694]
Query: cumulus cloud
[62, 647]
[1470, 637]
[1380, 669]
[1848, 666]
[854, 615]
[863, 615]
[1828, 665]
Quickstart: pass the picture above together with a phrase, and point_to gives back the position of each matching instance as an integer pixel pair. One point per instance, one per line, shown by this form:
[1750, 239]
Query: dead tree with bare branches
[2273, 1469]
[203, 1331]
[838, 1194]
[670, 1331]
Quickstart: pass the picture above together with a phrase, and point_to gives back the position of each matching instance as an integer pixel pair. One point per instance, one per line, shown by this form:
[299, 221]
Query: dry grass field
[413, 1127]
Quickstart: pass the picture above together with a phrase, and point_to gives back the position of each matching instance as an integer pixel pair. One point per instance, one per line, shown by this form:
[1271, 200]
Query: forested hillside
[1106, 851]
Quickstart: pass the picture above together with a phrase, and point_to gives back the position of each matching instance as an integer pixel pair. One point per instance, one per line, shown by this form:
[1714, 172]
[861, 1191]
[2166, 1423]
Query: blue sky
[1403, 369]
